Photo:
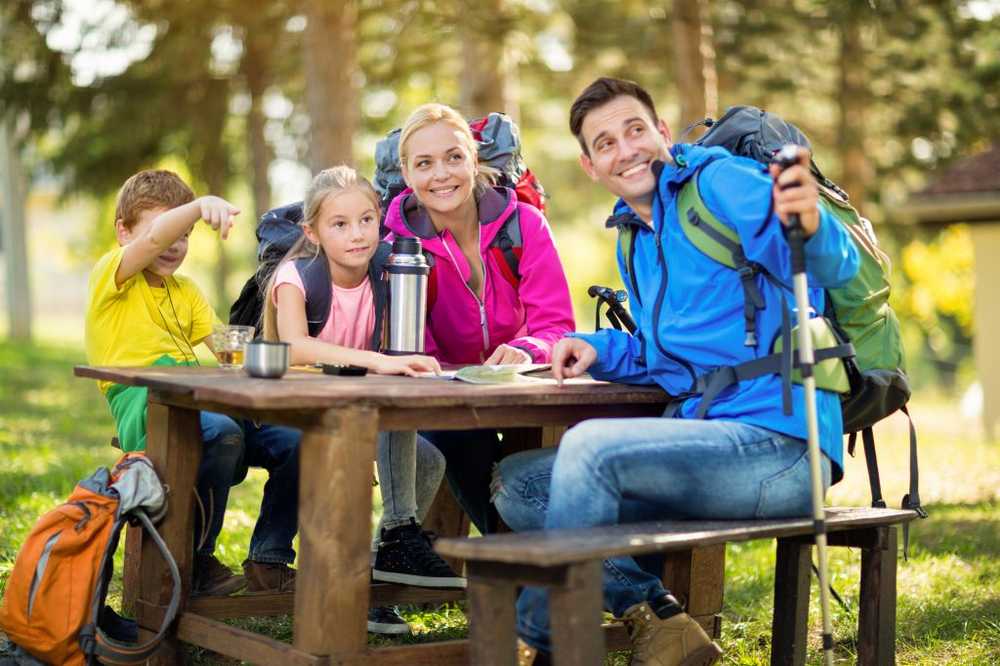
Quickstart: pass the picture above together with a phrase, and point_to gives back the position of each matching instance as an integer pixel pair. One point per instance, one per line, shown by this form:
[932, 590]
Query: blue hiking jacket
[689, 308]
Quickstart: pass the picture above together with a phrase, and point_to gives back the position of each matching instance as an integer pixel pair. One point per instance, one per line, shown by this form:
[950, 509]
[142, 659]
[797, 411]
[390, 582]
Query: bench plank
[559, 547]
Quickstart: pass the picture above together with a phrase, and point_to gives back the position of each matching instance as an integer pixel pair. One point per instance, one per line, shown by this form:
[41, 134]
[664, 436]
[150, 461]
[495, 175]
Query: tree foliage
[888, 91]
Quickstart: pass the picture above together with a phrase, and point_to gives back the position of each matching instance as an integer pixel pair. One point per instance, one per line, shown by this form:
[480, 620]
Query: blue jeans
[469, 458]
[610, 471]
[230, 447]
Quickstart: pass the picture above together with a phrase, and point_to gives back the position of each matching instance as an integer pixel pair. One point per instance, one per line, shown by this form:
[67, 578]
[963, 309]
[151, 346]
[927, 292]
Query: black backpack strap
[712, 383]
[508, 238]
[911, 500]
[94, 642]
[871, 461]
[315, 275]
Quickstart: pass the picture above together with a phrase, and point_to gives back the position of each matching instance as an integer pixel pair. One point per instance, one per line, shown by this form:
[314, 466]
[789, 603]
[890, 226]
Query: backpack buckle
[911, 505]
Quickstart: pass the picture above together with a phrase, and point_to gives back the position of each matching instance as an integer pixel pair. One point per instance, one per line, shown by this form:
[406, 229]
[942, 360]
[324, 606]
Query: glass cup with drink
[229, 344]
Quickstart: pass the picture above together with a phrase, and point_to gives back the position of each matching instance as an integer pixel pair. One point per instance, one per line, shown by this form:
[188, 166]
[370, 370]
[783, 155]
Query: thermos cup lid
[406, 245]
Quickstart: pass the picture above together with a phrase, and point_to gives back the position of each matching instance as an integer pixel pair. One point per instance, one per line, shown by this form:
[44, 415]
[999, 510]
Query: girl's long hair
[328, 182]
[431, 113]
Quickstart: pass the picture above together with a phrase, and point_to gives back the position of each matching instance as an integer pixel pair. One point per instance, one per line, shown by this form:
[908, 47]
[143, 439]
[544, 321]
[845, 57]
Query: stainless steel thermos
[408, 270]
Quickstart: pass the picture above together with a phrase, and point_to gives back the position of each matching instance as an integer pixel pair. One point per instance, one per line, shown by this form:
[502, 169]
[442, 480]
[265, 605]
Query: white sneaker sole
[454, 583]
[388, 629]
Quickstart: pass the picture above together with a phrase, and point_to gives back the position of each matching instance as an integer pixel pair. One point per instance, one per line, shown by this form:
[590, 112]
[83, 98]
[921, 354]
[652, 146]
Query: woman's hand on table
[411, 365]
[507, 355]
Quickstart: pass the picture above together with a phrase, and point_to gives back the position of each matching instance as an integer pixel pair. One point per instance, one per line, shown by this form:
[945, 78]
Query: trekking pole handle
[788, 156]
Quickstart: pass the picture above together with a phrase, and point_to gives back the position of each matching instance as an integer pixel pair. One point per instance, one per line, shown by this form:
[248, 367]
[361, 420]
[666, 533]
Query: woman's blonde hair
[328, 182]
[431, 113]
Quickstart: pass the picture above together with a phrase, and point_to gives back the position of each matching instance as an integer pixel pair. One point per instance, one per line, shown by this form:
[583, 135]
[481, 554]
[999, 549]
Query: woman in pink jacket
[478, 310]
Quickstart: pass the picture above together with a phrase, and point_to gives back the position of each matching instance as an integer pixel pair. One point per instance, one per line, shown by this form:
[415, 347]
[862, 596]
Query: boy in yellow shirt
[140, 313]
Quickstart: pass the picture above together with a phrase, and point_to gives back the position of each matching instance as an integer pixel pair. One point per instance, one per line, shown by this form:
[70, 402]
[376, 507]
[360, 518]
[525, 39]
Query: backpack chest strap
[712, 383]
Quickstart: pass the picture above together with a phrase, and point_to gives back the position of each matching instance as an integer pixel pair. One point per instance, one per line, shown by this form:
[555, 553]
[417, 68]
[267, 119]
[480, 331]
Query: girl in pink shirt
[339, 260]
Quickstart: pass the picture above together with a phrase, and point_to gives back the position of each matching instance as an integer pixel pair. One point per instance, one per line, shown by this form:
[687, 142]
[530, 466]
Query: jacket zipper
[483, 324]
[659, 304]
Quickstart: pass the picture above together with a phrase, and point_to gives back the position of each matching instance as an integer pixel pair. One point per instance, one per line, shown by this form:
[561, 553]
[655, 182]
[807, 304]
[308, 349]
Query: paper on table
[500, 374]
[491, 374]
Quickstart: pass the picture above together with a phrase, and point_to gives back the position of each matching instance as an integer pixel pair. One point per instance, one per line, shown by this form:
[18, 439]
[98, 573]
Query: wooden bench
[568, 562]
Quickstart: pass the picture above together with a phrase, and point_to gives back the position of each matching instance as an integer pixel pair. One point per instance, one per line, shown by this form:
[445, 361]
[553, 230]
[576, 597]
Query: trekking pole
[786, 157]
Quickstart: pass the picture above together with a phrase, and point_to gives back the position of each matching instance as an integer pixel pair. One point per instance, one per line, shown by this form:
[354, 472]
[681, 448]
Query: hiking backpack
[54, 604]
[859, 354]
[499, 146]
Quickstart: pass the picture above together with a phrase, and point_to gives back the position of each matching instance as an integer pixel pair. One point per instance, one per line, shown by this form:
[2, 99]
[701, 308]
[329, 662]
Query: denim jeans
[410, 470]
[470, 456]
[230, 447]
[222, 466]
[276, 449]
[610, 471]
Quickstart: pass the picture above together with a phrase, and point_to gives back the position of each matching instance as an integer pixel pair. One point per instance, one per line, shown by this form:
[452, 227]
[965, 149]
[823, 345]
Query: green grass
[54, 430]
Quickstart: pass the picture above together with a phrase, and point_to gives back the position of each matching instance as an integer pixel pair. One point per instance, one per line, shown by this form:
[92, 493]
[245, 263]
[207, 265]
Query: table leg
[697, 578]
[575, 613]
[492, 633]
[331, 593]
[173, 445]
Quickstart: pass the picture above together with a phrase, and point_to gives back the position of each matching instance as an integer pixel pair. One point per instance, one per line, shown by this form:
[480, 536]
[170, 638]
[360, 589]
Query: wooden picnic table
[340, 418]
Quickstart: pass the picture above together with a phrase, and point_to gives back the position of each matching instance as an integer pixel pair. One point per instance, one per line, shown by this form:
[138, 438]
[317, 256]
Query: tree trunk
[483, 84]
[694, 63]
[855, 174]
[331, 97]
[255, 70]
[12, 240]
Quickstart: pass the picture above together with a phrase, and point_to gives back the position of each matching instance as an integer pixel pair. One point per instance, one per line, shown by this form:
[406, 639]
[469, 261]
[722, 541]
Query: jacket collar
[494, 205]
[687, 159]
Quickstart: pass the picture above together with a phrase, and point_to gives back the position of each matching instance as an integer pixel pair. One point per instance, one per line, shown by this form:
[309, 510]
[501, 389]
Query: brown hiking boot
[214, 579]
[675, 641]
[268, 577]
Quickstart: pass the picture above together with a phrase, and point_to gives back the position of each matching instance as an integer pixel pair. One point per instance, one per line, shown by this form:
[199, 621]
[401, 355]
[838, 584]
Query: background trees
[248, 96]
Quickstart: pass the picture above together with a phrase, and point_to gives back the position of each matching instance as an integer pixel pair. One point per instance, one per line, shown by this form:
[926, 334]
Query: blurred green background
[246, 99]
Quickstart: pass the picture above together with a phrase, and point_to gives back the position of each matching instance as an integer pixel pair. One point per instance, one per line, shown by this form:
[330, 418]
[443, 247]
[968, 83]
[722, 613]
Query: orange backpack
[57, 589]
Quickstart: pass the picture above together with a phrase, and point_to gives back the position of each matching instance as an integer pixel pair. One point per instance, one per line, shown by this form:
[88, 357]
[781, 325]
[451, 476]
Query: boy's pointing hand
[218, 213]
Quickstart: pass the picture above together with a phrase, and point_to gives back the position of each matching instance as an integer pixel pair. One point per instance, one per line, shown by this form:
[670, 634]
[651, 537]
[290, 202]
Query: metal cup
[267, 360]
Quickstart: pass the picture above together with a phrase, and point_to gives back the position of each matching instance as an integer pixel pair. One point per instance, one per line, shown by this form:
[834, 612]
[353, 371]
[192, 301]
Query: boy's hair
[148, 190]
[433, 112]
[599, 93]
[327, 182]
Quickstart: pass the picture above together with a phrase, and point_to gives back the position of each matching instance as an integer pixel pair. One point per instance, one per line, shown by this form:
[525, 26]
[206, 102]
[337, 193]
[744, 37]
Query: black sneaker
[386, 620]
[405, 556]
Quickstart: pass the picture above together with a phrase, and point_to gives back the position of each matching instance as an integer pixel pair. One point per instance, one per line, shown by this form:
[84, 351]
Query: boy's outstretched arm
[165, 230]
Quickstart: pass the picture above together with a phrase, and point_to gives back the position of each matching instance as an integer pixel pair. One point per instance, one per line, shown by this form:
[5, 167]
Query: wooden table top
[303, 389]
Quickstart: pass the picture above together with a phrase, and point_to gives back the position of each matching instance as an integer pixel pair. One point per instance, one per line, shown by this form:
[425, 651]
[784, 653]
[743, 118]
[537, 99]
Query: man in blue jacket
[741, 456]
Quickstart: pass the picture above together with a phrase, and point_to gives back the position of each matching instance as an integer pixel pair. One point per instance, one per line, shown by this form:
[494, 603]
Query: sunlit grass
[54, 430]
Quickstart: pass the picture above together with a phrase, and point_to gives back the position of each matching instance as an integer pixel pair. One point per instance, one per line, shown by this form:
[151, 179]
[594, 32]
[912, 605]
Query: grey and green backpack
[859, 351]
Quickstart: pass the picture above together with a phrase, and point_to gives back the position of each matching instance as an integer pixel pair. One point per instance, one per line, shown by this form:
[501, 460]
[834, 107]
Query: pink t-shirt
[352, 311]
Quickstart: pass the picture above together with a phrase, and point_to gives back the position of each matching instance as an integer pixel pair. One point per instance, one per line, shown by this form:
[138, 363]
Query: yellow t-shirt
[138, 324]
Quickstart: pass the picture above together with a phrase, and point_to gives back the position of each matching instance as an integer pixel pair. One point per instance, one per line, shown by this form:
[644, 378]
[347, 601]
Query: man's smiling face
[623, 140]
